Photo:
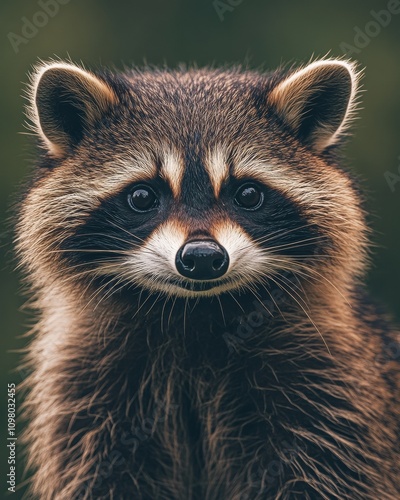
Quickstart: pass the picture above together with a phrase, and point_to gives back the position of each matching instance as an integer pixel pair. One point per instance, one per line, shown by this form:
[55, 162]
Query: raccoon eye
[142, 198]
[249, 196]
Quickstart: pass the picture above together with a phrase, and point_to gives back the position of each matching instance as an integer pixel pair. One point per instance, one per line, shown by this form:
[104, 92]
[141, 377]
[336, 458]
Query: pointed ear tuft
[318, 101]
[65, 102]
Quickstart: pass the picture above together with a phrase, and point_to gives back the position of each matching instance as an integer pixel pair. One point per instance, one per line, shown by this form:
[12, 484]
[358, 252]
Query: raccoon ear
[65, 102]
[317, 102]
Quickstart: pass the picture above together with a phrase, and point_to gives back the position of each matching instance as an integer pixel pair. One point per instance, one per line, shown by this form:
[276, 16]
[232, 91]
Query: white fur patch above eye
[172, 169]
[123, 170]
[217, 166]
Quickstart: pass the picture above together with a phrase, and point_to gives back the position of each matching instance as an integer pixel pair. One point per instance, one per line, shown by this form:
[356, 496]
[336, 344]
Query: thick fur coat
[279, 380]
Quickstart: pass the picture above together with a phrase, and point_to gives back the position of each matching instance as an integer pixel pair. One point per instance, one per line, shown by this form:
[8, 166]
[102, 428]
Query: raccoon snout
[202, 260]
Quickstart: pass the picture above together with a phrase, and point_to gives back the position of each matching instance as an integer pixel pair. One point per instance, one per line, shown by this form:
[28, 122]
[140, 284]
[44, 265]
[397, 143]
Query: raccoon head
[192, 182]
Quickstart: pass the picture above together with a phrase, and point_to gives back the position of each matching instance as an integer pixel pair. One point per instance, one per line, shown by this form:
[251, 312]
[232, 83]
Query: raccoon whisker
[126, 231]
[98, 291]
[252, 277]
[287, 263]
[299, 272]
[294, 244]
[140, 294]
[120, 277]
[141, 306]
[75, 275]
[301, 269]
[300, 284]
[283, 231]
[299, 243]
[283, 285]
[86, 250]
[291, 285]
[110, 292]
[321, 276]
[306, 273]
[113, 262]
[287, 283]
[237, 302]
[222, 310]
[80, 274]
[254, 293]
[172, 308]
[304, 258]
[196, 303]
[271, 296]
[154, 303]
[85, 291]
[99, 261]
[184, 316]
[162, 313]
[112, 236]
[147, 313]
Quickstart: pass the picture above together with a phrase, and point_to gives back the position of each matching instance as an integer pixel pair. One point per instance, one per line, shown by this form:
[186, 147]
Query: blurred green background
[258, 32]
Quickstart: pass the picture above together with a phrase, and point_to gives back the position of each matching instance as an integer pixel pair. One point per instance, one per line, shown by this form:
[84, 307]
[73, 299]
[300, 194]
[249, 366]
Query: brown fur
[139, 395]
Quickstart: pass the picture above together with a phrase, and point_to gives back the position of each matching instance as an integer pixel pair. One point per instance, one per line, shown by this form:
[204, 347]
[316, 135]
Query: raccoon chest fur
[191, 408]
[195, 255]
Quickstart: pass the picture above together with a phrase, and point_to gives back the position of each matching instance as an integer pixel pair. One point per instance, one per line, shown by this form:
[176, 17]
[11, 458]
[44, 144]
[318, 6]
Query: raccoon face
[191, 183]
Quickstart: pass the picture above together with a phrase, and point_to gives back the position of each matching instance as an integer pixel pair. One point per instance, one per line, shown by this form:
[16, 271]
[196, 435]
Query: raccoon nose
[202, 260]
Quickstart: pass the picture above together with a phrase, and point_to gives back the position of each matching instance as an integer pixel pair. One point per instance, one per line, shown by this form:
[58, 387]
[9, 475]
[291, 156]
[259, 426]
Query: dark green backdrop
[204, 31]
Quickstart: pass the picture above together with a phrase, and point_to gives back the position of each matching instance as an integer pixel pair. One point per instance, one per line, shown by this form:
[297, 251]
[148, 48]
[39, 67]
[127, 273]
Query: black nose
[202, 260]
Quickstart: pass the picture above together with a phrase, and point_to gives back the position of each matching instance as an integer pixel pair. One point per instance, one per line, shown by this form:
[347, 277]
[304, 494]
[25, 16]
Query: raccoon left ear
[317, 102]
[66, 102]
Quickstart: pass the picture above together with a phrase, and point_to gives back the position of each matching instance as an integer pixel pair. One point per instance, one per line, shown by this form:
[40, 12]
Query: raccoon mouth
[194, 286]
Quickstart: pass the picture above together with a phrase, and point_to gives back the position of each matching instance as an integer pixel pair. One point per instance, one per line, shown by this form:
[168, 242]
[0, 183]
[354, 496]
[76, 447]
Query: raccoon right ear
[66, 101]
[317, 102]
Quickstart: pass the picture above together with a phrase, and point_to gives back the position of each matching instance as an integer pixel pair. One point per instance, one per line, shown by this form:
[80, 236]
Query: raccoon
[195, 253]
